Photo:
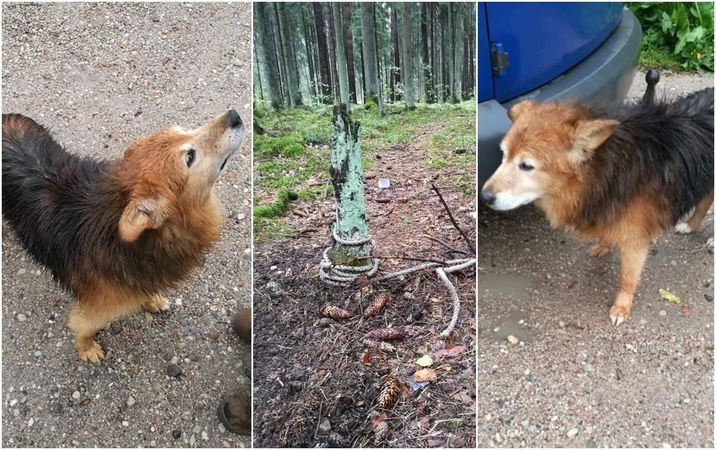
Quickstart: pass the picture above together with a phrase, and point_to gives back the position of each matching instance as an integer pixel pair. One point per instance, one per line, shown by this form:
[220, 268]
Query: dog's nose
[487, 196]
[233, 119]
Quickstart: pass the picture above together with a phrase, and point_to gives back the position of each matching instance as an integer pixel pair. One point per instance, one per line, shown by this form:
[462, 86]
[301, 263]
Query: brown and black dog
[621, 174]
[116, 233]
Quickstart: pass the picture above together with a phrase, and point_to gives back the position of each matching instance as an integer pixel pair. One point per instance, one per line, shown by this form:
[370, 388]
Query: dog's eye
[526, 167]
[190, 157]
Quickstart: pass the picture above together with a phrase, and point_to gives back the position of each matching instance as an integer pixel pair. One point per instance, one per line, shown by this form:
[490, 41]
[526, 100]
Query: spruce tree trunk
[395, 54]
[341, 66]
[347, 178]
[257, 75]
[336, 91]
[309, 54]
[267, 56]
[323, 60]
[348, 44]
[370, 62]
[451, 49]
[426, 56]
[289, 61]
[466, 85]
[408, 76]
[458, 54]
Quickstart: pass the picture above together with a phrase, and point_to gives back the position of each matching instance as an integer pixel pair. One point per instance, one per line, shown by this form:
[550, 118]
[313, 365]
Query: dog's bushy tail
[696, 104]
[28, 150]
[30, 156]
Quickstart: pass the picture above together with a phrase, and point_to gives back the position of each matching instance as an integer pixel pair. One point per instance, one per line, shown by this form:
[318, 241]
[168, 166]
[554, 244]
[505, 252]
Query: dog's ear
[587, 136]
[520, 108]
[141, 214]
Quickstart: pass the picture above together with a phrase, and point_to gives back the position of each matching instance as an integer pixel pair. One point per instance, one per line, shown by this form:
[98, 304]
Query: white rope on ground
[452, 265]
[406, 271]
[455, 301]
[464, 265]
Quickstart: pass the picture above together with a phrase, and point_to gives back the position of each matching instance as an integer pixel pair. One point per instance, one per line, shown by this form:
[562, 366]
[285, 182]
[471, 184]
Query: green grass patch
[266, 217]
[436, 163]
[267, 229]
[283, 196]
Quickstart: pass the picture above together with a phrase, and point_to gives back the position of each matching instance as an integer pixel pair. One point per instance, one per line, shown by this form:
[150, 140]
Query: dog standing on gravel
[116, 233]
[621, 175]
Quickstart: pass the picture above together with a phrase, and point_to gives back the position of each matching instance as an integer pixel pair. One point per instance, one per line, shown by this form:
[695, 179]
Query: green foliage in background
[677, 36]
[292, 158]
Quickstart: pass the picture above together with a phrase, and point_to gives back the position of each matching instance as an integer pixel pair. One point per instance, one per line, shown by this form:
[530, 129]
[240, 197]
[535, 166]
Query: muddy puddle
[503, 288]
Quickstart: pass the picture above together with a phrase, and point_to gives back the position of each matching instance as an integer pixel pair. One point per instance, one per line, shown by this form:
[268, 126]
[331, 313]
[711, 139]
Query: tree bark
[347, 177]
[466, 52]
[267, 56]
[309, 53]
[427, 72]
[257, 73]
[408, 76]
[340, 47]
[294, 97]
[276, 37]
[457, 47]
[348, 44]
[370, 62]
[434, 61]
[323, 59]
[395, 54]
[451, 48]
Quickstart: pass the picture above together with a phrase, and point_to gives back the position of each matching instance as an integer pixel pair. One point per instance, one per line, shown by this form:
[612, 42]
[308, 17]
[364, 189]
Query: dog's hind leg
[155, 303]
[599, 250]
[694, 222]
[633, 257]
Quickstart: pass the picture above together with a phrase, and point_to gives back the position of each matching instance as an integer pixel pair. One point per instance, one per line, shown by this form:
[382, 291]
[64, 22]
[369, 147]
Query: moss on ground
[298, 158]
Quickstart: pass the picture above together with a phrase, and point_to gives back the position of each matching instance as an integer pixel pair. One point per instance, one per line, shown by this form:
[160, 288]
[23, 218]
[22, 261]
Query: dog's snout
[487, 196]
[233, 119]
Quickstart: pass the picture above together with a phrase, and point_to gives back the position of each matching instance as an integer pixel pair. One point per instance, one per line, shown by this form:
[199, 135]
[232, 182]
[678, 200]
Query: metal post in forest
[349, 257]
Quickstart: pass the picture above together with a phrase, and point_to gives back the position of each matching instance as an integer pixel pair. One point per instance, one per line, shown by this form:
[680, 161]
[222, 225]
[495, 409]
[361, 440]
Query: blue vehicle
[548, 51]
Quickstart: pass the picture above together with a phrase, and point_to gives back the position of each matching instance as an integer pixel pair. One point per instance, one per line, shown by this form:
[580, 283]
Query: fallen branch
[455, 301]
[449, 247]
[454, 222]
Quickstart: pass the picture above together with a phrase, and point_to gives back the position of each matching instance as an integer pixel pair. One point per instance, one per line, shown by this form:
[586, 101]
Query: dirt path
[308, 372]
[101, 75]
[577, 381]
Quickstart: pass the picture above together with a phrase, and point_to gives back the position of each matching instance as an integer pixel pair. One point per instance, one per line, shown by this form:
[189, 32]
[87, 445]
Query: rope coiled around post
[343, 275]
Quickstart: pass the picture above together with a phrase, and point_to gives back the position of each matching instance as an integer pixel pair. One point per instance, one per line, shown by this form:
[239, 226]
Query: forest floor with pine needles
[315, 382]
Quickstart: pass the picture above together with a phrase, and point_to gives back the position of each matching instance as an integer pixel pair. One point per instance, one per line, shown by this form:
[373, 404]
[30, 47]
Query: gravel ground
[102, 75]
[571, 379]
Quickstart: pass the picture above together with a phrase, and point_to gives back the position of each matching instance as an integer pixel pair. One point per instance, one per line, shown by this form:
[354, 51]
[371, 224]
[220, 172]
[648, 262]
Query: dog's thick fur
[620, 174]
[115, 233]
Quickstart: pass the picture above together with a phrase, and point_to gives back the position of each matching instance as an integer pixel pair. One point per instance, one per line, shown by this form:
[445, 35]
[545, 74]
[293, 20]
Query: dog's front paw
[598, 250]
[156, 303]
[683, 228]
[618, 314]
[91, 353]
